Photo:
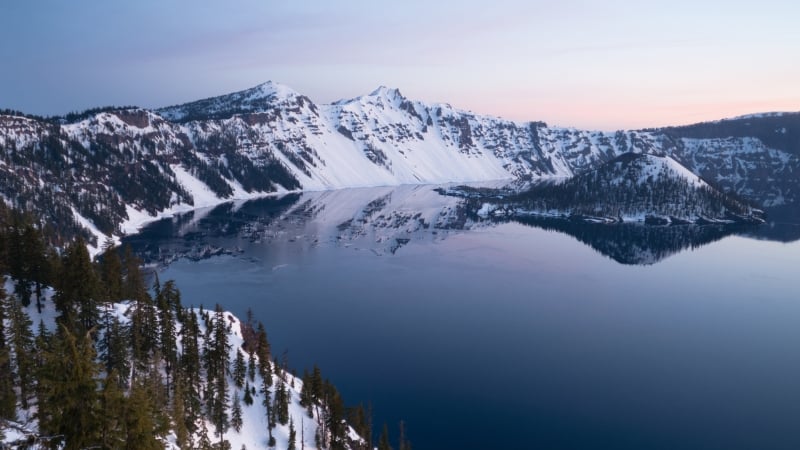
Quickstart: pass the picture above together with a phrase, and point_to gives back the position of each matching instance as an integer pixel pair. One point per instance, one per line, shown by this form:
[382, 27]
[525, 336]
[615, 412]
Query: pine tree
[76, 297]
[359, 419]
[158, 398]
[267, 403]
[335, 417]
[8, 398]
[144, 332]
[217, 362]
[182, 435]
[190, 368]
[165, 301]
[305, 392]
[236, 413]
[115, 348]
[403, 443]
[251, 367]
[316, 384]
[263, 351]
[239, 369]
[318, 440]
[38, 269]
[112, 413]
[111, 272]
[204, 443]
[23, 344]
[281, 404]
[68, 404]
[42, 345]
[140, 423]
[292, 436]
[248, 397]
[383, 441]
[133, 287]
[19, 261]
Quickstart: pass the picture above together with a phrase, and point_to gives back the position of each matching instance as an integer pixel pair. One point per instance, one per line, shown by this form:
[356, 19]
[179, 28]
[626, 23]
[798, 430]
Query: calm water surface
[484, 336]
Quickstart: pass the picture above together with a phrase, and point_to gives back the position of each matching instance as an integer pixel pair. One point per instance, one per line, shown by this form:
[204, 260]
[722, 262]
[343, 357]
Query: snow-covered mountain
[111, 169]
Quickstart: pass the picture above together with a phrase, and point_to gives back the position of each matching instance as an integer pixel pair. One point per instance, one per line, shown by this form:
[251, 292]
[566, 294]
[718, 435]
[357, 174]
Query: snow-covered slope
[253, 433]
[642, 169]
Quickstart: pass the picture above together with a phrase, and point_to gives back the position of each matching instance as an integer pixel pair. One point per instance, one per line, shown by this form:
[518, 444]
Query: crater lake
[495, 334]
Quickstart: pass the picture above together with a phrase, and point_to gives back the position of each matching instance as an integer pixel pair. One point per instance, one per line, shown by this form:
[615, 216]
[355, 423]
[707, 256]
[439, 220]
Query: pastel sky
[601, 64]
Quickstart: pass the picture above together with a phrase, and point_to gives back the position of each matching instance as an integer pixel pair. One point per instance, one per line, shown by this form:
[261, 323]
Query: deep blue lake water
[505, 335]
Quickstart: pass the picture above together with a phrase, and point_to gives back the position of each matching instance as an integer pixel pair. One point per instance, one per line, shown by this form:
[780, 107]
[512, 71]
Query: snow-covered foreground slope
[253, 433]
[117, 168]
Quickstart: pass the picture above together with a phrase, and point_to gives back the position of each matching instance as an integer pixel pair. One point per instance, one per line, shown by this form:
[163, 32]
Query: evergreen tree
[111, 272]
[248, 397]
[179, 426]
[23, 344]
[115, 348]
[8, 398]
[68, 405]
[236, 413]
[18, 259]
[113, 412]
[403, 443]
[42, 345]
[158, 398]
[383, 441]
[36, 265]
[133, 287]
[263, 351]
[190, 368]
[144, 332]
[204, 443]
[281, 404]
[360, 420]
[305, 390]
[318, 440]
[239, 369]
[76, 297]
[217, 362]
[251, 367]
[165, 300]
[140, 424]
[335, 417]
[292, 436]
[267, 402]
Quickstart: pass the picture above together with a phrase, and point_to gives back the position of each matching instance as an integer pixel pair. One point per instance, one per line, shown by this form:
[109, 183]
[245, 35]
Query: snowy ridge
[252, 100]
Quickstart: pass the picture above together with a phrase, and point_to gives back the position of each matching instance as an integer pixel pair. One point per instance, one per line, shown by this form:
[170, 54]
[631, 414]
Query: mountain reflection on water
[384, 219]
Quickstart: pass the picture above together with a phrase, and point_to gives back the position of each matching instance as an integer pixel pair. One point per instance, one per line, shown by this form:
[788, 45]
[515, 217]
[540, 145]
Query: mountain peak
[385, 92]
[255, 99]
[270, 89]
[648, 166]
